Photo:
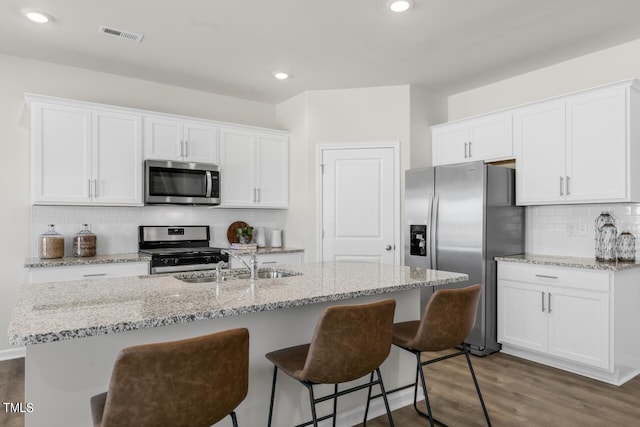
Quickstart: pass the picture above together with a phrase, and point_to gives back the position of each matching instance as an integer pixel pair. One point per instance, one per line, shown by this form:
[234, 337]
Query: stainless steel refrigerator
[458, 218]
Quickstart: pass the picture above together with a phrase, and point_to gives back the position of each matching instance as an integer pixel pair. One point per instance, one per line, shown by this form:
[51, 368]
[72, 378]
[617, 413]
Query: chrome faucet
[219, 268]
[253, 262]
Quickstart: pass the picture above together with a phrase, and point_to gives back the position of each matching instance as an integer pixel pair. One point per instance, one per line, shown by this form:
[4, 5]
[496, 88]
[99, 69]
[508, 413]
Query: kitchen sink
[231, 275]
[206, 279]
[269, 274]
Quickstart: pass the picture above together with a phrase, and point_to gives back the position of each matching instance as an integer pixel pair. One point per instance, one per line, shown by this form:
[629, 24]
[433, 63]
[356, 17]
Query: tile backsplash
[569, 230]
[117, 227]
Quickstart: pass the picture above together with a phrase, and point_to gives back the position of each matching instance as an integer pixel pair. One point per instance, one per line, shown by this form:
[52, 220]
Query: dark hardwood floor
[519, 393]
[516, 392]
[11, 390]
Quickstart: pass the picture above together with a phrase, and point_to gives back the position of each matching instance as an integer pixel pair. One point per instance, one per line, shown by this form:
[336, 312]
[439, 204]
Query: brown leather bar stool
[189, 383]
[349, 342]
[446, 322]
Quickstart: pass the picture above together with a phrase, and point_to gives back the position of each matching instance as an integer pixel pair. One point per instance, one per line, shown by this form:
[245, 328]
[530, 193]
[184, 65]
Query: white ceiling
[232, 47]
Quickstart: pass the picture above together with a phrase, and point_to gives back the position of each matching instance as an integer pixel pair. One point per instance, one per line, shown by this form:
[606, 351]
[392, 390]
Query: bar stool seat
[349, 342]
[188, 383]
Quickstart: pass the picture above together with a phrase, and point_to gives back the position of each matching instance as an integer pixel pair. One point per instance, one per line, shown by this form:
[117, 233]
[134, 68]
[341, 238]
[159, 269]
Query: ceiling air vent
[120, 33]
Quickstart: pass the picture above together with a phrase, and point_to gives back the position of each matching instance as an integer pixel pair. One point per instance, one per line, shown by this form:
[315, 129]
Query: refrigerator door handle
[430, 226]
[434, 232]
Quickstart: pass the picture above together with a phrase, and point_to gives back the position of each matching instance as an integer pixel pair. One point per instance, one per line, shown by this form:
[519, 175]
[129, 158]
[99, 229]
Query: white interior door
[359, 203]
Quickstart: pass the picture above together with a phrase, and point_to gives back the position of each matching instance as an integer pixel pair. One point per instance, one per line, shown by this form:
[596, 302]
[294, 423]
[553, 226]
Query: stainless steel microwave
[181, 183]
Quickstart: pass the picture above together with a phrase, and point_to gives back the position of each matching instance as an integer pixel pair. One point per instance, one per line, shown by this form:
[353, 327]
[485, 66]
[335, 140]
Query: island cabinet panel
[486, 138]
[181, 140]
[254, 169]
[570, 318]
[581, 148]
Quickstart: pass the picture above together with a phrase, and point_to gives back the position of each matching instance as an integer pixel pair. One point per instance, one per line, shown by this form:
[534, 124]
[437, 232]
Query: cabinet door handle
[179, 149]
[259, 196]
[255, 195]
[567, 186]
[542, 295]
[465, 150]
[561, 186]
[470, 155]
[95, 188]
[186, 149]
[549, 302]
[89, 187]
[546, 277]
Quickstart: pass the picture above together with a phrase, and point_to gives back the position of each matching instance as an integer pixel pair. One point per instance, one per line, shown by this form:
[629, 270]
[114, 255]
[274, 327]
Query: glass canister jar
[603, 219]
[608, 243]
[626, 247]
[84, 242]
[51, 244]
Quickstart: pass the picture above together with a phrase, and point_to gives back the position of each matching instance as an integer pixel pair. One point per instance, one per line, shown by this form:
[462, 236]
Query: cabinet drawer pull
[542, 295]
[270, 262]
[546, 277]
[94, 275]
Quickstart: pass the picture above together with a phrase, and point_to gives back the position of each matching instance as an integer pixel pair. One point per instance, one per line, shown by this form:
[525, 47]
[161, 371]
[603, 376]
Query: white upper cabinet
[582, 148]
[92, 154]
[486, 138]
[84, 155]
[538, 136]
[254, 168]
[116, 158]
[169, 139]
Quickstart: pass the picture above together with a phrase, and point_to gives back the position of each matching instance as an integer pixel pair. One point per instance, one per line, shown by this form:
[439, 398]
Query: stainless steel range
[179, 248]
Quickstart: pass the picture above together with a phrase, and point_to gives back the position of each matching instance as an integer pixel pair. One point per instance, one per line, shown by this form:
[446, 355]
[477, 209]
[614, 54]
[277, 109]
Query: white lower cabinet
[272, 260]
[90, 271]
[566, 317]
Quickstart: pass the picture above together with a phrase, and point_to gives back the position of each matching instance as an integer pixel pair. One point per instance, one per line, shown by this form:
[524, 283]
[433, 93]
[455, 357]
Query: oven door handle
[209, 184]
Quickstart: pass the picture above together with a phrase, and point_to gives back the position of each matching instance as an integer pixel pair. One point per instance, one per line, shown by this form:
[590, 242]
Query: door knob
[388, 247]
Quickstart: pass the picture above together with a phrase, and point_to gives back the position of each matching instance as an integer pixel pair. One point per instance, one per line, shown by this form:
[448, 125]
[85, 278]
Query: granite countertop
[564, 261]
[129, 257]
[98, 259]
[48, 312]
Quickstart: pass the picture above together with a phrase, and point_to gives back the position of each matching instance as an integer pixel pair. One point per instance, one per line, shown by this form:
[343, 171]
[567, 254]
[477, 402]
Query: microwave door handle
[209, 184]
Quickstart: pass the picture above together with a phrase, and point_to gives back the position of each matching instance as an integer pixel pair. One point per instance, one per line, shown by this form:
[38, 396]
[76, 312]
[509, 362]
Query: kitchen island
[74, 330]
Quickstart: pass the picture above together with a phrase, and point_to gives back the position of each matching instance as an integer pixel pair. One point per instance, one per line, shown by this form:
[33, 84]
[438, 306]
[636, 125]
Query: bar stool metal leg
[335, 404]
[273, 392]
[234, 420]
[475, 381]
[424, 389]
[384, 397]
[366, 408]
[313, 405]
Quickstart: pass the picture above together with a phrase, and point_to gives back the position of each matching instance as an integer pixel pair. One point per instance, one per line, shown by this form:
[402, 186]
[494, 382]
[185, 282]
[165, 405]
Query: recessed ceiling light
[400, 5]
[37, 16]
[281, 75]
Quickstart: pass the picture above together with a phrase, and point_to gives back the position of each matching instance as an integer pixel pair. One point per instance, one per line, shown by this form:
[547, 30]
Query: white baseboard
[12, 353]
[354, 416]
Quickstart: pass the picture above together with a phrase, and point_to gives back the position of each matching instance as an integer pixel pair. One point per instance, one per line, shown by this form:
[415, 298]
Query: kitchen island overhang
[74, 330]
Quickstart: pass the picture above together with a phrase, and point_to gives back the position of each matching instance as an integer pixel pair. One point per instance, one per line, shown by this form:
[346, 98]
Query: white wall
[363, 115]
[560, 230]
[20, 75]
